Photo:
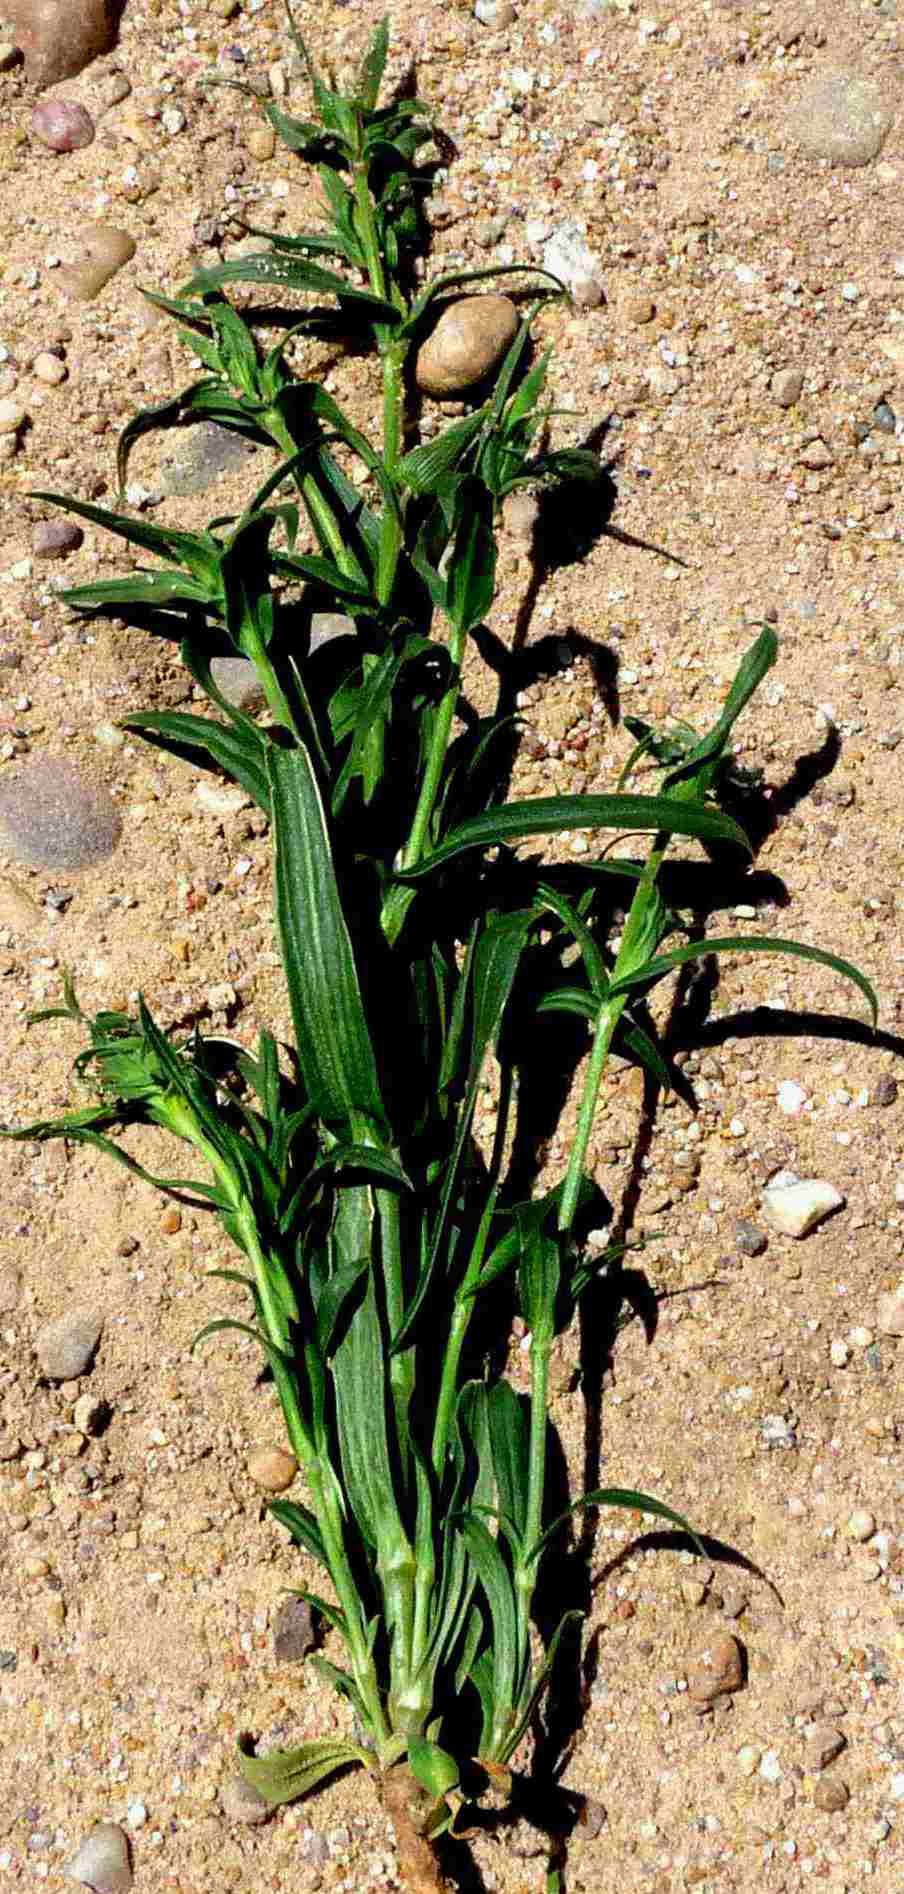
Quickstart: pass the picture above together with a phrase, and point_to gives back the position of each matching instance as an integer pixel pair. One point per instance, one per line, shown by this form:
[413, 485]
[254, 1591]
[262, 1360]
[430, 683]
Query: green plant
[372, 1222]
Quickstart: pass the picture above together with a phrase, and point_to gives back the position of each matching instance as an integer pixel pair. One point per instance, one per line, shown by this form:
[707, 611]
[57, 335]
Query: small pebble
[66, 1346]
[49, 368]
[294, 1631]
[840, 1354]
[749, 1239]
[823, 1743]
[12, 416]
[640, 310]
[242, 1803]
[718, 1669]
[770, 1767]
[53, 539]
[62, 125]
[791, 1098]
[796, 1209]
[99, 250]
[89, 1413]
[494, 13]
[260, 141]
[171, 1221]
[787, 386]
[861, 1525]
[749, 1759]
[693, 1591]
[273, 1469]
[885, 1090]
[831, 1795]
[469, 340]
[885, 418]
[102, 1862]
[238, 681]
[890, 1313]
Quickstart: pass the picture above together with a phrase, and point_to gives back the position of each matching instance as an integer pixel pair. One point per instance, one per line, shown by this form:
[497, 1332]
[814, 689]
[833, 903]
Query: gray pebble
[885, 1090]
[102, 1861]
[53, 539]
[238, 681]
[209, 453]
[52, 816]
[241, 1803]
[325, 626]
[787, 386]
[885, 417]
[839, 116]
[294, 1632]
[749, 1239]
[65, 1347]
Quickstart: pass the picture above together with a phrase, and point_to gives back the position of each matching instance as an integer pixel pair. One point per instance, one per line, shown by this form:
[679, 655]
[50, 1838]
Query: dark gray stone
[294, 1631]
[52, 816]
[207, 453]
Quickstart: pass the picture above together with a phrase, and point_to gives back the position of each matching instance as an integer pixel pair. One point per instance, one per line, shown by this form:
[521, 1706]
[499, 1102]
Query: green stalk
[321, 512]
[526, 1573]
[399, 899]
[393, 354]
[637, 944]
[401, 1366]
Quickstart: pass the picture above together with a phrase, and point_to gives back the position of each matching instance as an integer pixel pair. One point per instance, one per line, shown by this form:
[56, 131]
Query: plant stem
[526, 1573]
[607, 1019]
[638, 944]
[401, 1366]
[398, 900]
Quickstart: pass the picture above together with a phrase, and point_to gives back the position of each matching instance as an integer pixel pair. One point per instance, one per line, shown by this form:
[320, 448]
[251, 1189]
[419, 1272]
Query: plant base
[409, 1807]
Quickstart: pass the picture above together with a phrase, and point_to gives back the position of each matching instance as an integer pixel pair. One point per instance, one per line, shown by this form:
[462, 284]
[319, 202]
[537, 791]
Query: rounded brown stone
[718, 1669]
[468, 341]
[272, 1468]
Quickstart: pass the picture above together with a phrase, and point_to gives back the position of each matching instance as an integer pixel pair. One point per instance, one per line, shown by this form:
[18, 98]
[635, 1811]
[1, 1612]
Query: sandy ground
[138, 1573]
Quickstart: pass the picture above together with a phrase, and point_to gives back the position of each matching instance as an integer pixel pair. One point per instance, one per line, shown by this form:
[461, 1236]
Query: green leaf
[373, 66]
[279, 273]
[434, 1768]
[286, 1774]
[538, 1685]
[746, 944]
[511, 1454]
[331, 1034]
[162, 591]
[303, 1526]
[623, 1496]
[424, 467]
[197, 551]
[208, 744]
[494, 965]
[471, 583]
[539, 1276]
[549, 815]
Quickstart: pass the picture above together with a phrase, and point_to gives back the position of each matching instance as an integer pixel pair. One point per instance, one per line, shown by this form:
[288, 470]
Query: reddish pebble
[62, 126]
[53, 539]
[171, 1222]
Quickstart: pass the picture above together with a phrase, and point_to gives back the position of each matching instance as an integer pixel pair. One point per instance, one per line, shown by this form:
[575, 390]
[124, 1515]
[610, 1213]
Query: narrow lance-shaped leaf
[549, 815]
[746, 944]
[331, 1034]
